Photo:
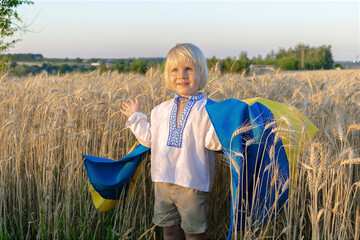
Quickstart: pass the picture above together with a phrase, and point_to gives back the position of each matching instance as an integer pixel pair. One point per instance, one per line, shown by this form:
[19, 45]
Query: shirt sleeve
[211, 140]
[140, 127]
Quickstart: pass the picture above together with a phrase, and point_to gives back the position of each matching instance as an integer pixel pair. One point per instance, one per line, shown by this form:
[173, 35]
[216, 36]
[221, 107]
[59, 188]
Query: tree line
[301, 57]
[24, 64]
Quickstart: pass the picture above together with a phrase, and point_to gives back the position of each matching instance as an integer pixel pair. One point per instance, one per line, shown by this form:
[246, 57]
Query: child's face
[184, 78]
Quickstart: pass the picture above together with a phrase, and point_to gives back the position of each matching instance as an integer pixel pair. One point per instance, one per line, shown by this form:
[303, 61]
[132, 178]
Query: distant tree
[231, 64]
[45, 66]
[227, 65]
[271, 55]
[257, 60]
[151, 64]
[34, 69]
[326, 57]
[289, 63]
[270, 58]
[281, 53]
[302, 52]
[117, 67]
[212, 62]
[78, 60]
[103, 68]
[64, 68]
[302, 57]
[162, 66]
[13, 64]
[243, 63]
[138, 66]
[339, 65]
[27, 57]
[9, 24]
[269, 61]
[19, 70]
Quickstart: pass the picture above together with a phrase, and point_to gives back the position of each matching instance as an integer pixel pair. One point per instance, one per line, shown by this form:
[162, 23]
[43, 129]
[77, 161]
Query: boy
[181, 138]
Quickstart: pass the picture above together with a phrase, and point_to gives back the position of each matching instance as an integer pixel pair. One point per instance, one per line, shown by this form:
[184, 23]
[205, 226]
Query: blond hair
[187, 52]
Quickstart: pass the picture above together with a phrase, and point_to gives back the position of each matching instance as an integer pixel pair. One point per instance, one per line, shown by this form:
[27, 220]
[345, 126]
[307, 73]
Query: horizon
[101, 58]
[148, 29]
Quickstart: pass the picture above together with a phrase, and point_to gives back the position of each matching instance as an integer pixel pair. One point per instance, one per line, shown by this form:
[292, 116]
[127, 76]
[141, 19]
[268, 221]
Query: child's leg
[174, 205]
[193, 206]
[173, 233]
[166, 214]
[190, 236]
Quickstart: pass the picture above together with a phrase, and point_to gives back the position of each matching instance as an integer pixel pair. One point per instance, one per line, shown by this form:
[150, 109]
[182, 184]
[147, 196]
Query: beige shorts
[176, 205]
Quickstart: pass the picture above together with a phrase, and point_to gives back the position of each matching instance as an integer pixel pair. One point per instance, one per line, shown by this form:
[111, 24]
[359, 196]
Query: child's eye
[189, 68]
[174, 70]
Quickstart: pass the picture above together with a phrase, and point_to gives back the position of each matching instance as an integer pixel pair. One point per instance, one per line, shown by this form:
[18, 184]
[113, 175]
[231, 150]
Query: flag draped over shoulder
[261, 139]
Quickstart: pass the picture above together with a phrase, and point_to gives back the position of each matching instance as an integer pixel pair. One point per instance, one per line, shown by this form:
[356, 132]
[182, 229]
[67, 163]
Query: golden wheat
[48, 122]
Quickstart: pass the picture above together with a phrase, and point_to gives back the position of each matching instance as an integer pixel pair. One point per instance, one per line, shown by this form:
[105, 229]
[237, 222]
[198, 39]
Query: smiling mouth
[182, 84]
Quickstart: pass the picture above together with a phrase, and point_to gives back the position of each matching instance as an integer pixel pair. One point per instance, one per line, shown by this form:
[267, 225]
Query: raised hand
[130, 106]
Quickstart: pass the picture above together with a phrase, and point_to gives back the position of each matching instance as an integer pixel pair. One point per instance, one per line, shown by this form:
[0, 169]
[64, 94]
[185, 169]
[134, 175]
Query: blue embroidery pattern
[176, 132]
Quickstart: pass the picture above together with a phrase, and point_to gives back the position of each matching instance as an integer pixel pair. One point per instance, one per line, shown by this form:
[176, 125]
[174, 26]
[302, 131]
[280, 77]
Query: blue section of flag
[108, 176]
[254, 193]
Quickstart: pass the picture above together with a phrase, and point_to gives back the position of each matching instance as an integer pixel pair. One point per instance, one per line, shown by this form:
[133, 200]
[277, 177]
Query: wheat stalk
[350, 161]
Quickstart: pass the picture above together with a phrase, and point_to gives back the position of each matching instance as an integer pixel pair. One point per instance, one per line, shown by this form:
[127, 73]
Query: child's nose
[183, 74]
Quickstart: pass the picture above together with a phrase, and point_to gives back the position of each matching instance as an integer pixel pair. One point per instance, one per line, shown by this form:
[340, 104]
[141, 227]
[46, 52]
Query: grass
[48, 122]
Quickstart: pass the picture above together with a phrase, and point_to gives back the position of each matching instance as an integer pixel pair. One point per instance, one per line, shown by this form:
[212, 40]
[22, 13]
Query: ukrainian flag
[262, 141]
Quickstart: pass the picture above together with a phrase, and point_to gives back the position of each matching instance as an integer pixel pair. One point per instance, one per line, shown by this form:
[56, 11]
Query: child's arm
[137, 121]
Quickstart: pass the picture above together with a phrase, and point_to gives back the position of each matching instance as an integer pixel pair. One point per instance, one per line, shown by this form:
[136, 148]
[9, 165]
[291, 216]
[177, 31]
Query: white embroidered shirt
[179, 154]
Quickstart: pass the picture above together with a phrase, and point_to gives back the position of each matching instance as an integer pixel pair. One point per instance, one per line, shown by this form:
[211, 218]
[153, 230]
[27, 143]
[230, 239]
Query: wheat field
[47, 122]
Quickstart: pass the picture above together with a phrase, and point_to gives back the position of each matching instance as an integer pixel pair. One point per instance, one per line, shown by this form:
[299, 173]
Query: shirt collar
[192, 98]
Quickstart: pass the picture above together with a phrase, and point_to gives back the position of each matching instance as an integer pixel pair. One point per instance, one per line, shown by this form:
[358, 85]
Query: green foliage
[339, 65]
[233, 65]
[288, 63]
[301, 57]
[64, 68]
[9, 19]
[212, 62]
[138, 66]
[103, 68]
[23, 69]
[36, 63]
[9, 24]
[20, 70]
[78, 60]
[4, 59]
[28, 57]
[227, 65]
[243, 63]
[162, 66]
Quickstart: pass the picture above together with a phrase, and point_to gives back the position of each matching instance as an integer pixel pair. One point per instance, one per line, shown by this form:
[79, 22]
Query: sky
[123, 29]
